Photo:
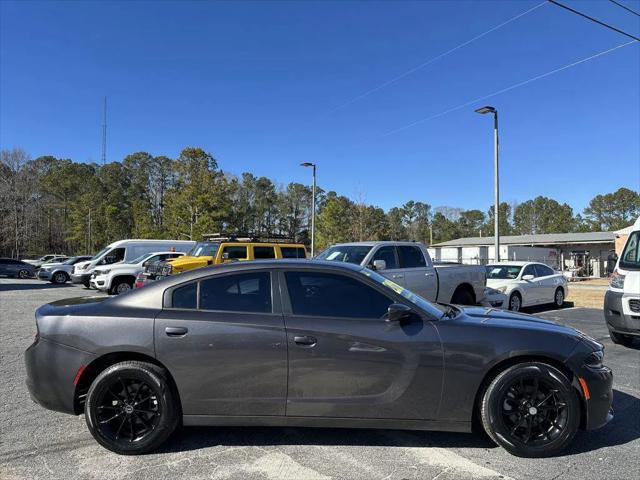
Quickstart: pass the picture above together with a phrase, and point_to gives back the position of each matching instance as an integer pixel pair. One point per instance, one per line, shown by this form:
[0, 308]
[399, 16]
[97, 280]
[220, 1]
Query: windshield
[630, 259]
[70, 261]
[503, 272]
[345, 253]
[204, 249]
[432, 309]
[100, 253]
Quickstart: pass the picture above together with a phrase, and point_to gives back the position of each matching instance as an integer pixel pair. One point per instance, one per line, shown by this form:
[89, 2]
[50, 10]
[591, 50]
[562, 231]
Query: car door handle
[396, 276]
[305, 340]
[176, 331]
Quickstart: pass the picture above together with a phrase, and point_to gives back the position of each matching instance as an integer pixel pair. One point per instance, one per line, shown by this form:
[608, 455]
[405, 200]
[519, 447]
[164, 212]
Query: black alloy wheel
[531, 410]
[23, 274]
[131, 408]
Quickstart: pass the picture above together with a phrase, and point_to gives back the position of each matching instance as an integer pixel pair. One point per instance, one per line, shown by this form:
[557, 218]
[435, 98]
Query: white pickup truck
[409, 264]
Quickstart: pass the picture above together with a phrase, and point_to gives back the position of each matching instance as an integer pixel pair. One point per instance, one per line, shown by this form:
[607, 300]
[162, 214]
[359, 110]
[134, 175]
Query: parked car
[622, 300]
[409, 264]
[493, 298]
[46, 258]
[323, 344]
[120, 277]
[16, 268]
[229, 249]
[60, 272]
[527, 283]
[125, 250]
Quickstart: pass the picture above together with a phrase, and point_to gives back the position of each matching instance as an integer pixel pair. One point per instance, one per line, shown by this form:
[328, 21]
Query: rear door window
[293, 252]
[246, 292]
[410, 257]
[185, 297]
[263, 252]
[235, 252]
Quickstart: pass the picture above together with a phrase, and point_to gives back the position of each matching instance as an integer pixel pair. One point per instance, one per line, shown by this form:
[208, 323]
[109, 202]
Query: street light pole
[313, 206]
[496, 180]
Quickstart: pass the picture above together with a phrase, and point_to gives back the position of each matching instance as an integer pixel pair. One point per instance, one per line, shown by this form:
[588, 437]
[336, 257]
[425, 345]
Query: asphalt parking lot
[37, 443]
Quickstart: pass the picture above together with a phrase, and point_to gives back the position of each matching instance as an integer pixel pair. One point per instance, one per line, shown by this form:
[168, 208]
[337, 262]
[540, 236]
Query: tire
[558, 298]
[59, 278]
[113, 396]
[462, 297]
[529, 424]
[121, 286]
[515, 302]
[23, 274]
[621, 339]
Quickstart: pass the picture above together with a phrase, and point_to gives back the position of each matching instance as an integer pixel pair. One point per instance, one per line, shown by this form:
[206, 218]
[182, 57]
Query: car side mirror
[398, 312]
[225, 255]
[379, 265]
[528, 278]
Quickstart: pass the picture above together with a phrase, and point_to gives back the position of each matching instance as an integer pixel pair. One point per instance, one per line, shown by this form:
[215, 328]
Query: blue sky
[258, 84]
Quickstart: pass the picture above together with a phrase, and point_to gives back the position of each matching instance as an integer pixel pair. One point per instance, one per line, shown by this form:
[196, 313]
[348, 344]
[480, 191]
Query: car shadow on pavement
[624, 428]
[195, 438]
[36, 285]
[546, 308]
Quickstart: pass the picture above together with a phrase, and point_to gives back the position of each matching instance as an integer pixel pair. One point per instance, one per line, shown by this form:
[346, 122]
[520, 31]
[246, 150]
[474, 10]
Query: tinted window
[264, 252]
[185, 297]
[115, 255]
[247, 292]
[529, 270]
[410, 257]
[236, 252]
[388, 254]
[544, 271]
[293, 252]
[330, 295]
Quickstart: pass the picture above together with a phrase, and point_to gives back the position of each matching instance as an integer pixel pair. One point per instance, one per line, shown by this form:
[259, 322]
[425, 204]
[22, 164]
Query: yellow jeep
[217, 251]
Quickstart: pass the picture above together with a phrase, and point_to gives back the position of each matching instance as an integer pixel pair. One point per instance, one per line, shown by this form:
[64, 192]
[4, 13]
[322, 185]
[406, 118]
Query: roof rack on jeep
[247, 237]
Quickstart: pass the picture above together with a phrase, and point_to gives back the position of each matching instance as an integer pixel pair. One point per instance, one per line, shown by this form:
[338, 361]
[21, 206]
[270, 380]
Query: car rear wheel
[531, 410]
[558, 298]
[515, 302]
[59, 278]
[131, 408]
[621, 339]
[23, 273]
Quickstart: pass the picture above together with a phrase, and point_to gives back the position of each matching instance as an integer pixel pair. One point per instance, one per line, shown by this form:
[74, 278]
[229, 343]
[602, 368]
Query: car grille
[634, 305]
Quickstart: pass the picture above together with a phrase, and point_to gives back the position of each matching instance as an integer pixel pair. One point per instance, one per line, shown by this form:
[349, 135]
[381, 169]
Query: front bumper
[83, 278]
[51, 383]
[494, 299]
[599, 382]
[617, 320]
[99, 283]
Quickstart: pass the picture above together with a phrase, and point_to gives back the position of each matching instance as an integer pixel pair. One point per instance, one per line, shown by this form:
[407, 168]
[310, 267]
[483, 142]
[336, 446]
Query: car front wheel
[531, 410]
[23, 274]
[131, 408]
[515, 302]
[59, 278]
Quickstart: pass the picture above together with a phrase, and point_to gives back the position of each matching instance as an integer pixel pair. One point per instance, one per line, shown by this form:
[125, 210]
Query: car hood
[506, 318]
[187, 260]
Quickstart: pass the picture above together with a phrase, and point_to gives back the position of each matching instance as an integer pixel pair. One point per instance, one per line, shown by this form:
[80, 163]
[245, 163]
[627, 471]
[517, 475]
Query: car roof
[374, 243]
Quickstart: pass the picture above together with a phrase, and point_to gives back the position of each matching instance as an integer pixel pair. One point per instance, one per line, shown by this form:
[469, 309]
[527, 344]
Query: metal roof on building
[541, 239]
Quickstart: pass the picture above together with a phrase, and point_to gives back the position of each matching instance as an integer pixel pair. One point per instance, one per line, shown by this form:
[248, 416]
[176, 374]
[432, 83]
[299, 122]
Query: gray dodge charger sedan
[311, 344]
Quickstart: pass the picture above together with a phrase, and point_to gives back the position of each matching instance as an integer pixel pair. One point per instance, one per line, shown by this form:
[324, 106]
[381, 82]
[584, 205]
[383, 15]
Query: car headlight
[594, 359]
[617, 280]
[501, 289]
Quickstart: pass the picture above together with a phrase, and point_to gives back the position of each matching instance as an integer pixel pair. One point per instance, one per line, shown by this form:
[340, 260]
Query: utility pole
[89, 245]
[104, 133]
[313, 206]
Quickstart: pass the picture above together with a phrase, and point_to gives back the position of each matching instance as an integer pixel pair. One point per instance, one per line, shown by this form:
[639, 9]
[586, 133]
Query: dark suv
[16, 268]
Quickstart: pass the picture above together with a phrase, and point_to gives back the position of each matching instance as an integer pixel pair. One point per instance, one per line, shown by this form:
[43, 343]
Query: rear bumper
[51, 370]
[617, 320]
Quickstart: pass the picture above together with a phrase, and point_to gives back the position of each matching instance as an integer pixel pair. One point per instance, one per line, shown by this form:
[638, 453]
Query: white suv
[119, 277]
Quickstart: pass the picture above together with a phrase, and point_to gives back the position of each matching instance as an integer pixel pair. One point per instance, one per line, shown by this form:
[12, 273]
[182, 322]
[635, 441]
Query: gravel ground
[36, 443]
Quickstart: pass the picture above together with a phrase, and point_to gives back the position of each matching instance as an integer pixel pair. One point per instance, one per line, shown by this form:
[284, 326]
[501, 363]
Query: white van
[124, 251]
[622, 301]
